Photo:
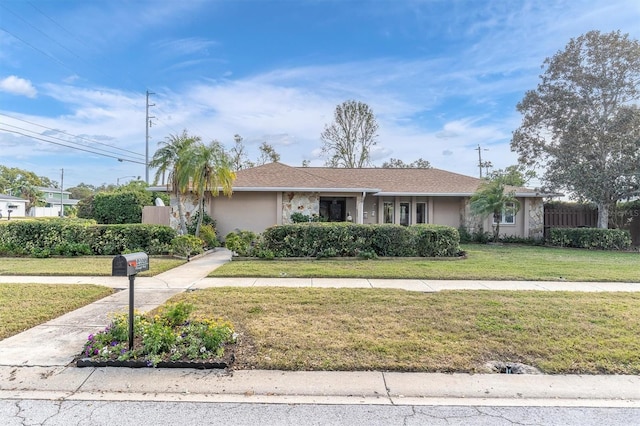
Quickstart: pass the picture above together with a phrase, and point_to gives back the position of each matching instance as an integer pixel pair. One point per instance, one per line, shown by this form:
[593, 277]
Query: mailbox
[125, 265]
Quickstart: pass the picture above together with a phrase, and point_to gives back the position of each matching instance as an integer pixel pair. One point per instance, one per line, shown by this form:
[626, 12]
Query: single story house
[268, 195]
[12, 206]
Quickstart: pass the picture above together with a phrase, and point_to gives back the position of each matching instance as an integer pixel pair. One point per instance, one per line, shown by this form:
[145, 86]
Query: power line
[39, 50]
[65, 140]
[68, 134]
[99, 69]
[119, 158]
[39, 30]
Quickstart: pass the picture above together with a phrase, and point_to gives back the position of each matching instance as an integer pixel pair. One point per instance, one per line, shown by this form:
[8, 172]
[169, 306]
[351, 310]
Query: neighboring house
[12, 206]
[51, 197]
[267, 195]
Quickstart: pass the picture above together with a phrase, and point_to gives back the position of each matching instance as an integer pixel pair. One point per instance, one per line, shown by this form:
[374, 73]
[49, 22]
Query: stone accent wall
[536, 218]
[190, 207]
[472, 223]
[307, 203]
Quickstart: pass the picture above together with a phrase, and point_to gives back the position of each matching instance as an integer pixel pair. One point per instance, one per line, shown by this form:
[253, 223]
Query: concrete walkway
[37, 362]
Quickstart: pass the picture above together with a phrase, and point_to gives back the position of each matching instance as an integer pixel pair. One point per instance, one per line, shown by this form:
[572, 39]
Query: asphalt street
[109, 413]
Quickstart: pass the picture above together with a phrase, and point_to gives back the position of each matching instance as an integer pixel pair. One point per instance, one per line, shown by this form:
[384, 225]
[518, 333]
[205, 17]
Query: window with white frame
[508, 216]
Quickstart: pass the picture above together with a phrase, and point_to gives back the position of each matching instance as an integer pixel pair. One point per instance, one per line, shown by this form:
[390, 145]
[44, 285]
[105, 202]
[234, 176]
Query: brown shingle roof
[376, 180]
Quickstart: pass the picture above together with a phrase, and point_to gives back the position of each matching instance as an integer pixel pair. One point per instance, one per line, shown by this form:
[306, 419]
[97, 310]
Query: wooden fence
[555, 217]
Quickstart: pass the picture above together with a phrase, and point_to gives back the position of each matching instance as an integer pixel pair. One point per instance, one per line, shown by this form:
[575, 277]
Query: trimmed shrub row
[590, 238]
[352, 240]
[68, 237]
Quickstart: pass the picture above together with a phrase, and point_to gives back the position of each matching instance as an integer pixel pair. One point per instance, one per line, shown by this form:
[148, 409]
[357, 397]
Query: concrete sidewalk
[37, 362]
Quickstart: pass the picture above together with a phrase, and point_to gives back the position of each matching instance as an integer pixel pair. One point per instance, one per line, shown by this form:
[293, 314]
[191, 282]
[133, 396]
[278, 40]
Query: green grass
[394, 330]
[483, 262]
[23, 306]
[77, 266]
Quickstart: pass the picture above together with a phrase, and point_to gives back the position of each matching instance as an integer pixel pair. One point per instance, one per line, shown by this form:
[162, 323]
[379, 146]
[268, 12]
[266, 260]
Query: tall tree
[395, 163]
[239, 158]
[82, 191]
[209, 170]
[582, 122]
[347, 142]
[23, 183]
[169, 158]
[491, 198]
[516, 175]
[267, 154]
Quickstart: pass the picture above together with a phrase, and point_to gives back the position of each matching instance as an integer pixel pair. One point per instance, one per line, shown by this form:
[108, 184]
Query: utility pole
[61, 189]
[147, 126]
[480, 163]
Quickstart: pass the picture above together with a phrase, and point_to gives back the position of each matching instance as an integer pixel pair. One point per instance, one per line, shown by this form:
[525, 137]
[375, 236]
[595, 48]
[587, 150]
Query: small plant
[298, 217]
[208, 235]
[171, 335]
[176, 314]
[368, 254]
[193, 223]
[186, 245]
[241, 242]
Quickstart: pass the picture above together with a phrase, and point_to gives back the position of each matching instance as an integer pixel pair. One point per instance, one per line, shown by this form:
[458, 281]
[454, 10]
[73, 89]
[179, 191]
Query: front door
[333, 209]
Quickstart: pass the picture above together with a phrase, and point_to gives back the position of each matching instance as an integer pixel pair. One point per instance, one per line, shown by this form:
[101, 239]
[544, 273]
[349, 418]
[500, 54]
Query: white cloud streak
[18, 86]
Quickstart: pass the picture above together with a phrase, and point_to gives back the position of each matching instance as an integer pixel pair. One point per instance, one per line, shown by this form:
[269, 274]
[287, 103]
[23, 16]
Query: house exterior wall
[256, 211]
[189, 206]
[370, 214]
[535, 215]
[446, 211]
[250, 211]
[306, 203]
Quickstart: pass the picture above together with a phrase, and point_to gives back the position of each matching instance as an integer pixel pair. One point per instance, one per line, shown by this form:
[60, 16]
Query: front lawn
[23, 306]
[78, 266]
[483, 262]
[395, 330]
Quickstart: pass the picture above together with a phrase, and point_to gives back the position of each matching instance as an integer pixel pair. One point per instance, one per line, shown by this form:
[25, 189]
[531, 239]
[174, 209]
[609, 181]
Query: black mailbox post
[128, 265]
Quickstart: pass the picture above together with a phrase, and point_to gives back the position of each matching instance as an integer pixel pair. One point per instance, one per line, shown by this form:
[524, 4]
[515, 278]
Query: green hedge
[64, 236]
[351, 240]
[590, 238]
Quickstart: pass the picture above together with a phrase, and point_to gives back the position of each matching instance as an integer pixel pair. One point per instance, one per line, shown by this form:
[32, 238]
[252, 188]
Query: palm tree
[210, 171]
[170, 157]
[490, 198]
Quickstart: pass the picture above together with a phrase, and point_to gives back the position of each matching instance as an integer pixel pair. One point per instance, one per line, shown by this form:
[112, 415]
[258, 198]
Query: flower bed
[171, 338]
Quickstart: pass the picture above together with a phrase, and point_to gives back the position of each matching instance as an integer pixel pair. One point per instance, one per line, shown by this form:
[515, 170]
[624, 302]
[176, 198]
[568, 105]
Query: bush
[69, 237]
[479, 236]
[241, 242]
[436, 241]
[120, 207]
[298, 217]
[193, 223]
[187, 245]
[590, 238]
[366, 241]
[208, 235]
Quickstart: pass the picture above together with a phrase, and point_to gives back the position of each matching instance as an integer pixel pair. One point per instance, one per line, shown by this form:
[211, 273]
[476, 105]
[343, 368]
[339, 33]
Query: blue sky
[442, 76]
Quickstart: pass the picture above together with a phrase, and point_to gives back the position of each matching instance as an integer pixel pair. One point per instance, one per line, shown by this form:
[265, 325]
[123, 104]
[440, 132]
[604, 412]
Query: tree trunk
[603, 215]
[200, 214]
[497, 217]
[183, 220]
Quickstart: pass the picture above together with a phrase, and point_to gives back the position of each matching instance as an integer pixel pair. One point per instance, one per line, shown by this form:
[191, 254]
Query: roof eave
[300, 189]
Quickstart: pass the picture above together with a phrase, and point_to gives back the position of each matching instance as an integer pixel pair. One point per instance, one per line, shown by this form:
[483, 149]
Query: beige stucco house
[267, 195]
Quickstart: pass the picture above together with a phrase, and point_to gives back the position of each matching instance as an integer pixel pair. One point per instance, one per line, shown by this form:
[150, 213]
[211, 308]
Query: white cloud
[18, 86]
